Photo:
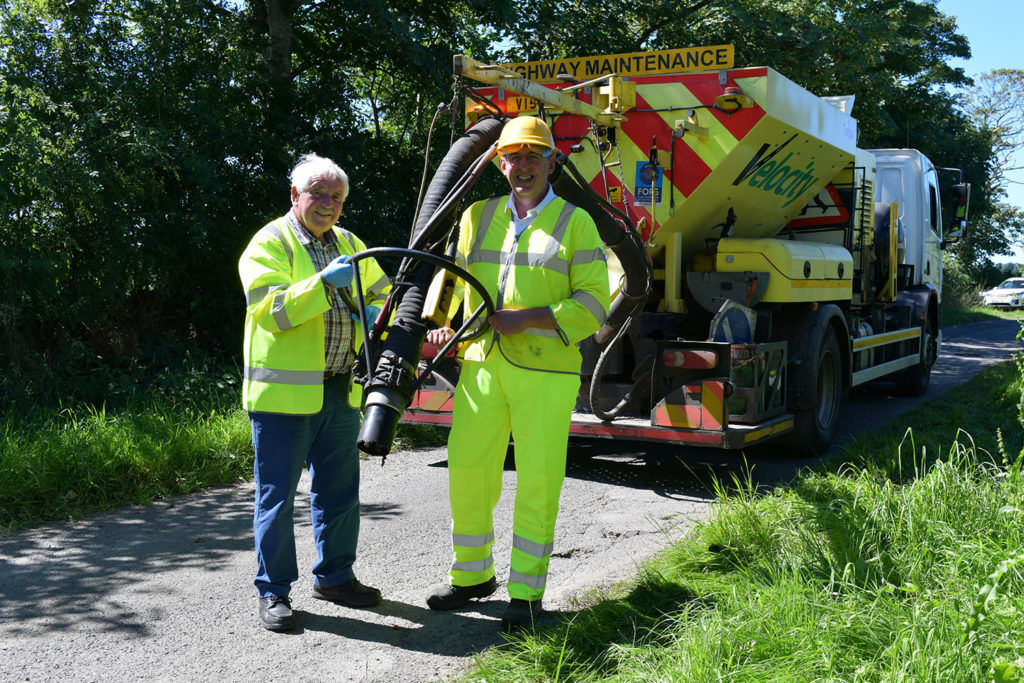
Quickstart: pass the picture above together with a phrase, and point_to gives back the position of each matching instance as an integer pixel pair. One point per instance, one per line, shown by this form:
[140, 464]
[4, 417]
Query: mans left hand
[338, 273]
[371, 314]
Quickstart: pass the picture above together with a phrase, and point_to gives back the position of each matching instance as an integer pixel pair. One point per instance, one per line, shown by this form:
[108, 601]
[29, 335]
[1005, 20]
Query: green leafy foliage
[136, 160]
[122, 163]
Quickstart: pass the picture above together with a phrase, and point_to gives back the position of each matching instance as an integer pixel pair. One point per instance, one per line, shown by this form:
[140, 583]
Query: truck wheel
[914, 380]
[821, 375]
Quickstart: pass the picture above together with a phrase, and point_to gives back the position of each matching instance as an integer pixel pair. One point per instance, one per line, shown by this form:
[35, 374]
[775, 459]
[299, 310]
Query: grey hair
[312, 166]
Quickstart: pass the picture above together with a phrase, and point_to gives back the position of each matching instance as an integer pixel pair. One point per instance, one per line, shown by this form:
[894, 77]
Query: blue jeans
[325, 443]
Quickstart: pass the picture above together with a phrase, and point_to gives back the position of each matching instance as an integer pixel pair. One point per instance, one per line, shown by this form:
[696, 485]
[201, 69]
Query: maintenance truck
[761, 263]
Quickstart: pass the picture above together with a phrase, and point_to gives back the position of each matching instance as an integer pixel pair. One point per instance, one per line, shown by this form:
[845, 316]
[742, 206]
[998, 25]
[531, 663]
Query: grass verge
[903, 560]
[956, 314]
[183, 433]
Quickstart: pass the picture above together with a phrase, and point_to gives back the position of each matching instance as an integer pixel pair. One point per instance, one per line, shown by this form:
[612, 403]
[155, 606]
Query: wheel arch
[923, 301]
[837, 321]
[808, 329]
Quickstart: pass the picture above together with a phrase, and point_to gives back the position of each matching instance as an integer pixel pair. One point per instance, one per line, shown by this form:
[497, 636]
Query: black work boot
[454, 597]
[351, 594]
[276, 613]
[520, 614]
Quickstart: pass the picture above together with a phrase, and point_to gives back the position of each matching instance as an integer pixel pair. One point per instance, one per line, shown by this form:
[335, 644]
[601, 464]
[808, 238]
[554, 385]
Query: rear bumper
[734, 437]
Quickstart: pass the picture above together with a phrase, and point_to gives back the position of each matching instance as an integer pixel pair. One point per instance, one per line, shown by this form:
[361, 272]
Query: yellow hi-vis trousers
[492, 399]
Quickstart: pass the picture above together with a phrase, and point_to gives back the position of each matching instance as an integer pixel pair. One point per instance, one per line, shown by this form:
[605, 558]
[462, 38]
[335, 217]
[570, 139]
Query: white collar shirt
[521, 224]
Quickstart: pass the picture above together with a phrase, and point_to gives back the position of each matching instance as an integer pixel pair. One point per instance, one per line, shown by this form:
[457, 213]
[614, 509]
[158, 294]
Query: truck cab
[907, 177]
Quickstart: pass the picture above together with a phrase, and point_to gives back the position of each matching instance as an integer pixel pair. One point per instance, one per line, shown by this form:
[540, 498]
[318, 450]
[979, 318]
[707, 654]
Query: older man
[301, 337]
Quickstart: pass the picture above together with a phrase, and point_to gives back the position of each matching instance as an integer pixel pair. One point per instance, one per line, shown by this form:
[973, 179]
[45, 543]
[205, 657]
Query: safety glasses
[524, 155]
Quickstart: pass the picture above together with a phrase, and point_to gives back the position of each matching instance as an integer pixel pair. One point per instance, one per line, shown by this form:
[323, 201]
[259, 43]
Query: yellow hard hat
[526, 130]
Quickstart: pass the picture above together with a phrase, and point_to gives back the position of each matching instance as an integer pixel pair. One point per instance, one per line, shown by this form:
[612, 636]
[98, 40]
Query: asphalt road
[164, 592]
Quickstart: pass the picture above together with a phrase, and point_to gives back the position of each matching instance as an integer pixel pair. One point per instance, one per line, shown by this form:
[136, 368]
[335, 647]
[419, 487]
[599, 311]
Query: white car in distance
[1009, 294]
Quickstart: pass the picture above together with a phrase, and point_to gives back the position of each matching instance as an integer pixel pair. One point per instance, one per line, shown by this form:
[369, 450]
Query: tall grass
[845, 576]
[905, 567]
[181, 434]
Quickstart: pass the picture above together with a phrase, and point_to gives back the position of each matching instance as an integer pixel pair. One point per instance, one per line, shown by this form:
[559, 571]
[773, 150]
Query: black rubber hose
[624, 244]
[389, 391]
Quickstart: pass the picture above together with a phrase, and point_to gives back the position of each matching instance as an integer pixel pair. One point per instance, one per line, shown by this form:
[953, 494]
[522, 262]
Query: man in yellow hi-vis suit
[542, 261]
[301, 337]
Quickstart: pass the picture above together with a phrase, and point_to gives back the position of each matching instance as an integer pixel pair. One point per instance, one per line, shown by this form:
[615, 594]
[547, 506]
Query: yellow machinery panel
[797, 270]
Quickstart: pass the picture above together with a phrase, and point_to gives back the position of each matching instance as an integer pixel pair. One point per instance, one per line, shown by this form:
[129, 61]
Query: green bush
[959, 289]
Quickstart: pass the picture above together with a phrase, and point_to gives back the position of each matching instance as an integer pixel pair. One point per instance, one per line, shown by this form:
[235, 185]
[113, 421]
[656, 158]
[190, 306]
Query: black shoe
[351, 594]
[520, 614]
[276, 613]
[454, 597]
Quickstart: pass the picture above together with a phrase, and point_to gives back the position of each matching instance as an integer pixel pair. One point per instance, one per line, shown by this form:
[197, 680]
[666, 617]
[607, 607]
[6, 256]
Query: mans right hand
[337, 273]
[440, 336]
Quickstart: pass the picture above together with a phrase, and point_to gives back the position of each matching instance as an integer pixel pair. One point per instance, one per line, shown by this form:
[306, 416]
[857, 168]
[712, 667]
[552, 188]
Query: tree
[128, 141]
[137, 161]
[996, 104]
[362, 83]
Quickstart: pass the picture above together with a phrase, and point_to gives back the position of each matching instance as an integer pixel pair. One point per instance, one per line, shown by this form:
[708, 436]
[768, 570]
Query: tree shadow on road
[61, 577]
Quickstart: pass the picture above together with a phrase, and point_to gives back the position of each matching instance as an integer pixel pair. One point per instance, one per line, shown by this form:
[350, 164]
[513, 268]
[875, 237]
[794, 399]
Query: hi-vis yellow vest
[557, 262]
[284, 321]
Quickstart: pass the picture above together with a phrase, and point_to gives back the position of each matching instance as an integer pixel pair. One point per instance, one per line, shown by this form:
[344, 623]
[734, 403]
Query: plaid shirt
[338, 326]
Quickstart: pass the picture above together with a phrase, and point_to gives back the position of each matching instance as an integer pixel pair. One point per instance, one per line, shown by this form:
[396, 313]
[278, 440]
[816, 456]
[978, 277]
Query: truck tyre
[914, 380]
[820, 376]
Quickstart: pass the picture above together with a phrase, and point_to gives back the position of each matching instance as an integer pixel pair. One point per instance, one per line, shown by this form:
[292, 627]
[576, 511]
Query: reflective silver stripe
[548, 258]
[535, 582]
[485, 256]
[277, 311]
[543, 260]
[349, 237]
[590, 303]
[274, 230]
[485, 221]
[475, 566]
[536, 259]
[256, 295]
[272, 376]
[583, 257]
[558, 234]
[473, 541]
[532, 548]
[542, 332]
[377, 287]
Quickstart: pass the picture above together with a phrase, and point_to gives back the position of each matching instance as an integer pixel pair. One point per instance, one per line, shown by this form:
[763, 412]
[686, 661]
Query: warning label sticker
[647, 190]
[826, 208]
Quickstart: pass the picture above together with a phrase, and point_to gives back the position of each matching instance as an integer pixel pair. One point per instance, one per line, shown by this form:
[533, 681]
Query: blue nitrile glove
[371, 314]
[337, 273]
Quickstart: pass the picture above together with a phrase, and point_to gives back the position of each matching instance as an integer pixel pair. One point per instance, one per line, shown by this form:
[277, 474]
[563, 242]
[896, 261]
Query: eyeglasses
[528, 157]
